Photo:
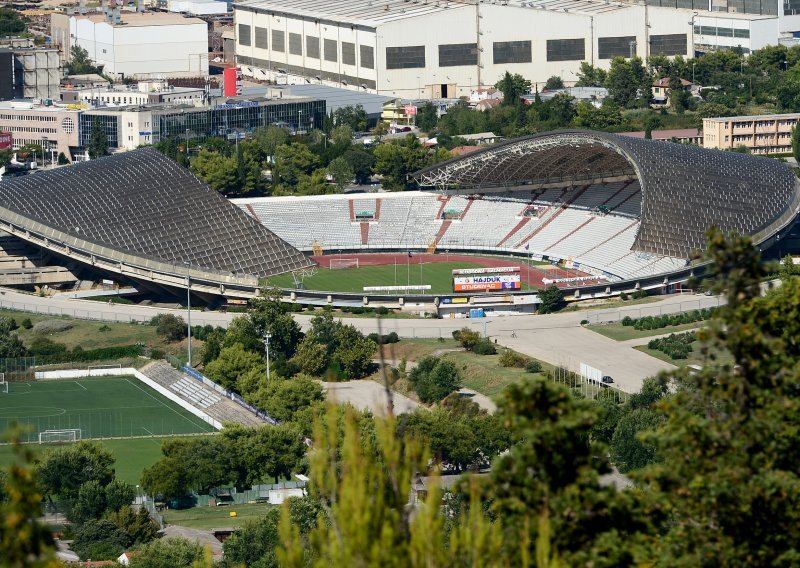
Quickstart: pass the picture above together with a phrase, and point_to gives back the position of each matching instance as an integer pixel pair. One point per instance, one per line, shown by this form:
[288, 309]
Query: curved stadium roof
[141, 206]
[685, 189]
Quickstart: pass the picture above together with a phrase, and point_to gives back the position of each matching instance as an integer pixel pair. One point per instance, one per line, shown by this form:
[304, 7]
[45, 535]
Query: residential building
[765, 134]
[661, 90]
[681, 135]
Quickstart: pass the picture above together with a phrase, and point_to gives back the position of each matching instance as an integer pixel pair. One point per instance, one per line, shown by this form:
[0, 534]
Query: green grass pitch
[439, 275]
[104, 407]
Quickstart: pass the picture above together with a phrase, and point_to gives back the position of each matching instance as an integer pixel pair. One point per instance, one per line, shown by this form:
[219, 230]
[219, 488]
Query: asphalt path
[559, 339]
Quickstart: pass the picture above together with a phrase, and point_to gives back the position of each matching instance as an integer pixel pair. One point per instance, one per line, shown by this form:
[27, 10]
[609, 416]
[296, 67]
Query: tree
[590, 76]
[255, 543]
[353, 352]
[63, 470]
[233, 363]
[628, 450]
[554, 83]
[89, 504]
[216, 171]
[98, 141]
[24, 541]
[269, 314]
[170, 326]
[628, 82]
[173, 552]
[269, 139]
[138, 525]
[796, 143]
[272, 453]
[11, 22]
[427, 117]
[291, 161]
[341, 172]
[311, 356]
[79, 62]
[729, 448]
[434, 378]
[513, 87]
[283, 398]
[353, 116]
[11, 346]
[552, 299]
[119, 494]
[360, 162]
[608, 116]
[651, 123]
[467, 337]
[99, 540]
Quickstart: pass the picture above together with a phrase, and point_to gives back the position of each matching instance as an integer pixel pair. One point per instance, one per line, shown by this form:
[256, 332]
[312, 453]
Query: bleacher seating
[595, 226]
[199, 395]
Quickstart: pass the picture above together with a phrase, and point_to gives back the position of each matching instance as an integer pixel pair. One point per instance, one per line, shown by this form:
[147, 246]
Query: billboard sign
[6, 140]
[486, 283]
[410, 110]
[495, 270]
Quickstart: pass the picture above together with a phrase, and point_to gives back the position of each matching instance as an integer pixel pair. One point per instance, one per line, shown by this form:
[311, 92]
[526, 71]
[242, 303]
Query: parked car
[606, 379]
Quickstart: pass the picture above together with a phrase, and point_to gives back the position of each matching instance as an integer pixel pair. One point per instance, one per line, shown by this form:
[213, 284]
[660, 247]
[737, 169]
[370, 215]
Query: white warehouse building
[142, 44]
[445, 49]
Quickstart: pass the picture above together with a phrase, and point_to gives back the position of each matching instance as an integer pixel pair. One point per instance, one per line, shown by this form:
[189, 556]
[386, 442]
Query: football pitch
[103, 407]
[439, 275]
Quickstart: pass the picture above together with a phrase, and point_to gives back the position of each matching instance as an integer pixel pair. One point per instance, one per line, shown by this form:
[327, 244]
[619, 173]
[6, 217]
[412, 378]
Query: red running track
[532, 276]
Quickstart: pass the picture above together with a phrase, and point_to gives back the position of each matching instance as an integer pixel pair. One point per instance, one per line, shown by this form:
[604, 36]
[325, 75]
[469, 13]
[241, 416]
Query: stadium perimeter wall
[79, 373]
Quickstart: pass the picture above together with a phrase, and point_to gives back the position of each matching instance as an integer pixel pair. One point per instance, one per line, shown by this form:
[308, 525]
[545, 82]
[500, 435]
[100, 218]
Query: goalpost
[68, 435]
[3, 384]
[340, 263]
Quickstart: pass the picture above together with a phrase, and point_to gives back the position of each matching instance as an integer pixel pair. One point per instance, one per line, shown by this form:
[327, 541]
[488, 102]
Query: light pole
[267, 335]
[694, 15]
[485, 323]
[188, 311]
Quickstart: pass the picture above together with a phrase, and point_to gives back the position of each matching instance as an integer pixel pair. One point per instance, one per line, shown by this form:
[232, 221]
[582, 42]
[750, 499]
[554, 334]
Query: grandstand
[142, 216]
[612, 206]
[199, 395]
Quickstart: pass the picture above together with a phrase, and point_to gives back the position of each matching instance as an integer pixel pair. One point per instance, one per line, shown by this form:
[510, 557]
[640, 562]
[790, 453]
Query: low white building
[140, 44]
[198, 7]
[143, 93]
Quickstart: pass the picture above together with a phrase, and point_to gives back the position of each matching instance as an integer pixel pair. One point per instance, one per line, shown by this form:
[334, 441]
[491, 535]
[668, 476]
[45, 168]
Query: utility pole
[188, 312]
[267, 335]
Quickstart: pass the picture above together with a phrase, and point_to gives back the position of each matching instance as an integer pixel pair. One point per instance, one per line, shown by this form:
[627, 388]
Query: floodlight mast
[267, 336]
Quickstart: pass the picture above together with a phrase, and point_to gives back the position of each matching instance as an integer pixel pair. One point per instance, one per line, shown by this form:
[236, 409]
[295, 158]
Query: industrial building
[137, 44]
[29, 72]
[763, 134]
[143, 93]
[444, 49]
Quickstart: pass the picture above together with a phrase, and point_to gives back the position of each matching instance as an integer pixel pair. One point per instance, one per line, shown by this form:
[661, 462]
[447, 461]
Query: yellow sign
[233, 513]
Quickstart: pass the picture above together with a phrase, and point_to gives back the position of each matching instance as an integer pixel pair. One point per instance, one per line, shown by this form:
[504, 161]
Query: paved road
[368, 395]
[558, 339]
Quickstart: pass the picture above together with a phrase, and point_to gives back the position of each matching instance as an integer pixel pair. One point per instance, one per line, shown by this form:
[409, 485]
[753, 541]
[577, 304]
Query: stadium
[593, 213]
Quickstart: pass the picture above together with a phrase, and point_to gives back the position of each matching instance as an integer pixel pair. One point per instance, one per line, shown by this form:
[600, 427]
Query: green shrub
[623, 296]
[26, 323]
[627, 321]
[104, 327]
[509, 358]
[533, 366]
[382, 310]
[484, 347]
[157, 354]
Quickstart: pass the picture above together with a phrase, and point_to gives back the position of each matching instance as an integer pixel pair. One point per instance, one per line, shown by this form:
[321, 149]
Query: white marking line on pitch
[80, 385]
[148, 431]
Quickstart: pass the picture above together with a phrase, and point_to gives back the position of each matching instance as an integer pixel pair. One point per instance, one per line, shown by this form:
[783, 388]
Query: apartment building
[765, 134]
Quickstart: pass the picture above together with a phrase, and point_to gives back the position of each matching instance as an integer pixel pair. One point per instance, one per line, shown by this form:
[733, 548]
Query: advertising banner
[486, 283]
[6, 140]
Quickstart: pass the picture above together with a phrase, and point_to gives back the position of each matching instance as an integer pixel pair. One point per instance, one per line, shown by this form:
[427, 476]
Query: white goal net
[339, 263]
[68, 435]
[3, 383]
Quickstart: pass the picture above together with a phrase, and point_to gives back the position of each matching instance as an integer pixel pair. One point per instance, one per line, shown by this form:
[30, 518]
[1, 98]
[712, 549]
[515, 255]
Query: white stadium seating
[594, 226]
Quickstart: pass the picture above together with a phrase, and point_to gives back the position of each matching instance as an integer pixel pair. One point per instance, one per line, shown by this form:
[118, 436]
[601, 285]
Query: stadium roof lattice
[685, 189]
[145, 206]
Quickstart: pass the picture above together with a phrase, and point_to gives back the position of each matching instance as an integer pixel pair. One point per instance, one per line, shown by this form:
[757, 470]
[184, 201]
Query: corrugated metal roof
[368, 13]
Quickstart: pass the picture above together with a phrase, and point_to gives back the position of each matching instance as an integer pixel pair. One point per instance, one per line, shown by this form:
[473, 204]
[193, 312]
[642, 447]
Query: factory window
[348, 53]
[669, 44]
[610, 47]
[411, 57]
[312, 47]
[741, 33]
[791, 7]
[244, 34]
[455, 54]
[295, 44]
[367, 56]
[278, 41]
[261, 38]
[511, 52]
[68, 125]
[566, 49]
[330, 50]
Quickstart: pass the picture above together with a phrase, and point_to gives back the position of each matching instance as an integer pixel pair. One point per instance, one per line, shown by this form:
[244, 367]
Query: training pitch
[107, 407]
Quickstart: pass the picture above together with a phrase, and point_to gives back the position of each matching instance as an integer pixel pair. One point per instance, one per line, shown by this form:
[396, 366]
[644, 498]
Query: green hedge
[676, 346]
[658, 322]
